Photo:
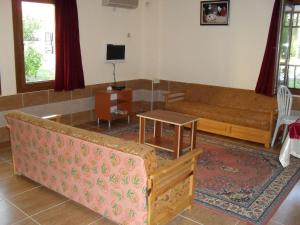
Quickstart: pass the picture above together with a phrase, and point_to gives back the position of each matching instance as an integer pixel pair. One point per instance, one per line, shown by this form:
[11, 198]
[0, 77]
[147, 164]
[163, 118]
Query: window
[34, 33]
[289, 52]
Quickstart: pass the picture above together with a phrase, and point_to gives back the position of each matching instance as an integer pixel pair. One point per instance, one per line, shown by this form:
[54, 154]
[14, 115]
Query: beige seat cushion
[241, 117]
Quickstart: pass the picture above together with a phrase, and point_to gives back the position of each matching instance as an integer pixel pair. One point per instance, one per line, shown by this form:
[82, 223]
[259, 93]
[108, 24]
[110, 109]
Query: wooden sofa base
[235, 131]
[227, 129]
[171, 189]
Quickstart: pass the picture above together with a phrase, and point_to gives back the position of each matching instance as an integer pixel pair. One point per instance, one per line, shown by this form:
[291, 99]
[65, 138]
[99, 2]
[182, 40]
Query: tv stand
[112, 105]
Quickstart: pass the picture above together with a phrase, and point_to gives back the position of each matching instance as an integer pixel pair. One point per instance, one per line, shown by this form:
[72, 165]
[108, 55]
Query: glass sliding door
[289, 58]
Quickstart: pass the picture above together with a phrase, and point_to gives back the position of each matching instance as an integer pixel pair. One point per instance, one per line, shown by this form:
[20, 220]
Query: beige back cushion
[230, 97]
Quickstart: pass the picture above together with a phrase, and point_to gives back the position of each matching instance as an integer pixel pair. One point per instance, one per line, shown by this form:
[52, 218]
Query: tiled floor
[24, 202]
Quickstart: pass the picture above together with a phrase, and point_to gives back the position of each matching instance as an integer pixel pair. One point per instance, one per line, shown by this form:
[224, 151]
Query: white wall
[98, 25]
[101, 25]
[151, 26]
[218, 55]
[166, 41]
[7, 56]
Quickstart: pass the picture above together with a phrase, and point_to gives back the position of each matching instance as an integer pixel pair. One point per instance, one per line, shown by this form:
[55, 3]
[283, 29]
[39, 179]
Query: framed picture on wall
[214, 12]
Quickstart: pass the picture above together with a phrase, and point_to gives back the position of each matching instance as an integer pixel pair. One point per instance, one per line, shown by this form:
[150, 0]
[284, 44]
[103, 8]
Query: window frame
[0, 85]
[22, 86]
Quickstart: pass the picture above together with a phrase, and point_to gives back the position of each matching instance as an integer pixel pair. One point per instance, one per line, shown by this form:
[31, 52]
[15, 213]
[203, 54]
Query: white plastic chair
[284, 101]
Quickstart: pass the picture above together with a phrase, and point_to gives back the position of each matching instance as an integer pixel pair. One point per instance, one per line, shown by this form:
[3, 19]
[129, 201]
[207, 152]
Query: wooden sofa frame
[169, 186]
[229, 129]
[178, 176]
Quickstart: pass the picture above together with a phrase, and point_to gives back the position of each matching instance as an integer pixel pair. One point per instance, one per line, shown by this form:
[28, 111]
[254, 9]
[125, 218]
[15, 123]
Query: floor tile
[5, 154]
[182, 221]
[294, 195]
[9, 214]
[103, 221]
[26, 222]
[6, 170]
[208, 217]
[287, 213]
[36, 200]
[272, 222]
[15, 185]
[66, 214]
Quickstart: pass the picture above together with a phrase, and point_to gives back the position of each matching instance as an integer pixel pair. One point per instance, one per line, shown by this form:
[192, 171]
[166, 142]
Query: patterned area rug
[236, 179]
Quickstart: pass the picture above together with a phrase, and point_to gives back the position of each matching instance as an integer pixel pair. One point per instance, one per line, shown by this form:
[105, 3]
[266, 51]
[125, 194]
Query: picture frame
[214, 12]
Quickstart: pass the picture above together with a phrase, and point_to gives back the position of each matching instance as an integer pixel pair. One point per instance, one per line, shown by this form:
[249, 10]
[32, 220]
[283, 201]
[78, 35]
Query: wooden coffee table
[179, 120]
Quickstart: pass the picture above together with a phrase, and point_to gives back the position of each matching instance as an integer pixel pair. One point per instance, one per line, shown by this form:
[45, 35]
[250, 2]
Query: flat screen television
[115, 53]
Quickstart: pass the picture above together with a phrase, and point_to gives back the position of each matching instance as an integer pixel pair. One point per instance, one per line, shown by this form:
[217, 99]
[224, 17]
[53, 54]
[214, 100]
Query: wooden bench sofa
[225, 111]
[122, 180]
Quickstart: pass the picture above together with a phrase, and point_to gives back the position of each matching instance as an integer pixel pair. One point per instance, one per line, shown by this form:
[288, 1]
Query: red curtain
[69, 72]
[265, 83]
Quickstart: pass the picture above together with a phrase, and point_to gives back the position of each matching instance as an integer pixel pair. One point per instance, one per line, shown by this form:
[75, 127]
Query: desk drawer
[248, 133]
[212, 126]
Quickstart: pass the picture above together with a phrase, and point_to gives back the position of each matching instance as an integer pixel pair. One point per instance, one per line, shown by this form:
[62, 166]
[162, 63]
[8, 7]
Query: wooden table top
[168, 117]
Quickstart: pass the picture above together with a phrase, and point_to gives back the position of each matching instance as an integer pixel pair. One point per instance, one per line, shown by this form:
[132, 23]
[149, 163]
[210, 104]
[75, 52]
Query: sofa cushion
[110, 182]
[146, 152]
[248, 118]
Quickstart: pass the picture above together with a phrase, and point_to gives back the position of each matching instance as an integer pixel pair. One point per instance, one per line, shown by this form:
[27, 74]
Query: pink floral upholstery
[108, 181]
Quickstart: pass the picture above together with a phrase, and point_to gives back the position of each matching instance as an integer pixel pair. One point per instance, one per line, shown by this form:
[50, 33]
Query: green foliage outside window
[33, 62]
[33, 59]
[30, 26]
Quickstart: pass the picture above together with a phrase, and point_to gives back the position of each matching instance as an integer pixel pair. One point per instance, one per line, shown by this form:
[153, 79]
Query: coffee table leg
[193, 134]
[178, 140]
[142, 130]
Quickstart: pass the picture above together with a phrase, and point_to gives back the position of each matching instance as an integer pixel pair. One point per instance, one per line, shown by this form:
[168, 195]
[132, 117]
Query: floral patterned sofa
[122, 180]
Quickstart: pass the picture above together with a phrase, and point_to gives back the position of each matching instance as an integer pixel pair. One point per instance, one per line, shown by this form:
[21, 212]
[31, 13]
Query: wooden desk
[178, 120]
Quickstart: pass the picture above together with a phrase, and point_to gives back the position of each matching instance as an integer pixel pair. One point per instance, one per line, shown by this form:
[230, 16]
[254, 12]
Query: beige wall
[218, 55]
[98, 25]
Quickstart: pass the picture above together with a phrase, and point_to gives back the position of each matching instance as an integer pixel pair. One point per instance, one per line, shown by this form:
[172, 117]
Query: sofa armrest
[174, 97]
[53, 117]
[171, 188]
[274, 114]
